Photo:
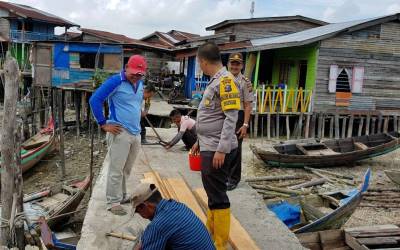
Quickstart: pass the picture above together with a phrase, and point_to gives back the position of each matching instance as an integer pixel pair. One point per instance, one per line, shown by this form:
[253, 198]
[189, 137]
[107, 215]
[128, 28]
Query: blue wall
[62, 73]
[40, 27]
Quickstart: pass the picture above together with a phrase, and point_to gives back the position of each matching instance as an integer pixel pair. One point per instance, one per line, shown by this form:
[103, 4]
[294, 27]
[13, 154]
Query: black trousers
[143, 128]
[214, 180]
[236, 170]
[189, 138]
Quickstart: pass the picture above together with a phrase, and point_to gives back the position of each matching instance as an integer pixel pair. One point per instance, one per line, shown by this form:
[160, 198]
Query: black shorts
[214, 180]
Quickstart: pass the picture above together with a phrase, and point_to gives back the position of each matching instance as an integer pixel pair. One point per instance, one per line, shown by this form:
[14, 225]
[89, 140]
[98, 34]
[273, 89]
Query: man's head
[149, 91]
[145, 200]
[175, 116]
[209, 58]
[136, 68]
[235, 64]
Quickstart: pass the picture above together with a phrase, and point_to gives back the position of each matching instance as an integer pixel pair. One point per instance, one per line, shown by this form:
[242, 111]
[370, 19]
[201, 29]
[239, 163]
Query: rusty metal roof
[265, 19]
[170, 38]
[28, 12]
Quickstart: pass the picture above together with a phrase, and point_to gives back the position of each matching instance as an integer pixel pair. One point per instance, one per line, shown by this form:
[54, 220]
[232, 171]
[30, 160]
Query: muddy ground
[77, 155]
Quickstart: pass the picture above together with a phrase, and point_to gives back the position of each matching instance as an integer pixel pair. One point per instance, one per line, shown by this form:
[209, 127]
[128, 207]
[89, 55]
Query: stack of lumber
[373, 237]
[382, 198]
[329, 239]
[177, 189]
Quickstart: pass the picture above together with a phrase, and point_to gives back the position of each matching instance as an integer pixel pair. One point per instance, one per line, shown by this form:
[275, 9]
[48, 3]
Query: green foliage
[99, 77]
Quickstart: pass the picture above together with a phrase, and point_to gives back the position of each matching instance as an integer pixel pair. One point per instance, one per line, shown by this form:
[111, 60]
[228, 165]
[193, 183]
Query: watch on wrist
[246, 125]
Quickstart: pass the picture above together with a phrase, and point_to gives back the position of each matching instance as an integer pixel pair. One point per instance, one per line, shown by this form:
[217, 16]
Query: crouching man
[186, 130]
[173, 225]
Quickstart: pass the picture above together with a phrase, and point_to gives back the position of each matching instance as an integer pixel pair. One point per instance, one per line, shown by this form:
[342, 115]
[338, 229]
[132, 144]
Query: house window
[88, 60]
[284, 69]
[302, 74]
[346, 79]
[343, 81]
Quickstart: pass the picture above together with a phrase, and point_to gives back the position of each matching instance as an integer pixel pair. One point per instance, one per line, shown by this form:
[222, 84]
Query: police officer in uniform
[235, 66]
[217, 143]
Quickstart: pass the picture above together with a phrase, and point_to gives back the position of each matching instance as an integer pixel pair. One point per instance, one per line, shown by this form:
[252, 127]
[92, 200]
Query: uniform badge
[228, 88]
[207, 102]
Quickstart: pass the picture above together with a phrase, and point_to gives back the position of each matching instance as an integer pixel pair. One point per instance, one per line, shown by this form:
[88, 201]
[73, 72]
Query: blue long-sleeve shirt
[124, 101]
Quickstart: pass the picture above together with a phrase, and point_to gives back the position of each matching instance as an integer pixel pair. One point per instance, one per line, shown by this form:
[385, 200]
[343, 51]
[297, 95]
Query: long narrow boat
[36, 147]
[329, 153]
[394, 175]
[313, 213]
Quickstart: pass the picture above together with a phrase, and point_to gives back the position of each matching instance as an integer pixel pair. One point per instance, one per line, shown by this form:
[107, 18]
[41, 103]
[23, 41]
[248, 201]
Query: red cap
[137, 64]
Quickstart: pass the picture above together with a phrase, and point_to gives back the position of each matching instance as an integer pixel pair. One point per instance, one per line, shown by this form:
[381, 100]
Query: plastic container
[194, 162]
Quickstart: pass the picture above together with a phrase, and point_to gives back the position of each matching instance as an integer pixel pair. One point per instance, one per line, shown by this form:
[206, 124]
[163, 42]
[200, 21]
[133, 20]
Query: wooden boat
[394, 175]
[56, 204]
[36, 147]
[313, 213]
[329, 153]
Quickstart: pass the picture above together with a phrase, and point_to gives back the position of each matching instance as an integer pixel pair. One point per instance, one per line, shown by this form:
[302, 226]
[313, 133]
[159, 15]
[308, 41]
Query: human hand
[218, 160]
[112, 128]
[242, 132]
[195, 149]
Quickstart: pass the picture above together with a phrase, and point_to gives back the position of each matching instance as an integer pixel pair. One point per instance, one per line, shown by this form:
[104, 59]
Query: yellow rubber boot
[222, 222]
[210, 223]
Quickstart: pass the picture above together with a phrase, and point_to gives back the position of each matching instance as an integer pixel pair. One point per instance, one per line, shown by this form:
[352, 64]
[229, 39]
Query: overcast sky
[137, 18]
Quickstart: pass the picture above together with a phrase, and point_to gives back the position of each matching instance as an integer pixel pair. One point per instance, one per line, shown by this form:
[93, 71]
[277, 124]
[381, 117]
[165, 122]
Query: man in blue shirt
[124, 94]
[173, 225]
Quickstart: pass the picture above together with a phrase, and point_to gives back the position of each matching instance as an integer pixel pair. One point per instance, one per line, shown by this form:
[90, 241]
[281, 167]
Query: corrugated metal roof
[265, 19]
[33, 13]
[314, 34]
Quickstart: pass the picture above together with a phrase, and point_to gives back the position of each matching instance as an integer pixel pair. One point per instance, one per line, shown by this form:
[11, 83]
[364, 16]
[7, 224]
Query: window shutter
[333, 73]
[358, 79]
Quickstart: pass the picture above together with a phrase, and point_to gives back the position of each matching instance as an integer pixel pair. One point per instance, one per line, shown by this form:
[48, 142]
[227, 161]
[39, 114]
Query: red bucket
[194, 162]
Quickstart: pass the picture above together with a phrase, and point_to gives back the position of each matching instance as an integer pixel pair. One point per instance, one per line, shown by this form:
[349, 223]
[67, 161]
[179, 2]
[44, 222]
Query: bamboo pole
[8, 164]
[61, 132]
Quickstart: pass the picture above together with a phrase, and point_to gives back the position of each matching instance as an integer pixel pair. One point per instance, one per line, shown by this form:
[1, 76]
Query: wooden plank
[319, 129]
[331, 121]
[307, 128]
[268, 126]
[312, 237]
[154, 178]
[337, 127]
[367, 124]
[238, 236]
[360, 126]
[331, 235]
[300, 129]
[287, 128]
[378, 241]
[350, 128]
[353, 243]
[185, 195]
[277, 127]
[323, 128]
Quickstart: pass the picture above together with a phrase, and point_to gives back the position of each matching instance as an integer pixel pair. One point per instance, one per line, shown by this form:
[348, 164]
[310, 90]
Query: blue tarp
[287, 213]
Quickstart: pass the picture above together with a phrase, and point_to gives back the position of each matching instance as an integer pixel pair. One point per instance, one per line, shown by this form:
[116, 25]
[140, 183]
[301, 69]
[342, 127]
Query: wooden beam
[300, 128]
[320, 121]
[287, 128]
[238, 236]
[61, 131]
[344, 124]
[360, 126]
[380, 120]
[331, 127]
[337, 127]
[307, 128]
[385, 124]
[277, 127]
[269, 126]
[350, 128]
[367, 124]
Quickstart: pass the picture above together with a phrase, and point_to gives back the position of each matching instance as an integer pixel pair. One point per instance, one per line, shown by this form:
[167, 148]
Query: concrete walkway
[247, 206]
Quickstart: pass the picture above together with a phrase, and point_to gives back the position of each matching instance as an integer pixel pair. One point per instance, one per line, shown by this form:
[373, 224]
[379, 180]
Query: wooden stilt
[269, 126]
[273, 126]
[386, 124]
[287, 128]
[380, 121]
[367, 122]
[344, 124]
[61, 132]
[320, 121]
[323, 127]
[350, 128]
[77, 99]
[360, 126]
[331, 121]
[300, 128]
[262, 127]
[312, 125]
[395, 123]
[373, 124]
[398, 125]
[277, 127]
[256, 125]
[337, 127]
[307, 128]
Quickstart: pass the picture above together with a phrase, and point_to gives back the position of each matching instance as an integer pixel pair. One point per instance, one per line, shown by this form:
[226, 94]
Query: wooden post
[386, 124]
[287, 127]
[320, 121]
[268, 126]
[77, 101]
[256, 124]
[337, 127]
[360, 126]
[61, 130]
[262, 127]
[307, 128]
[344, 124]
[8, 164]
[277, 127]
[323, 126]
[380, 120]
[331, 121]
[273, 121]
[367, 122]
[312, 125]
[395, 124]
[300, 129]
[350, 129]
[373, 124]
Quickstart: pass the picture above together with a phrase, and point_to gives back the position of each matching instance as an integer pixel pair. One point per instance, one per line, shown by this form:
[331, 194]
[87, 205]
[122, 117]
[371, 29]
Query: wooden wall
[4, 28]
[263, 29]
[377, 49]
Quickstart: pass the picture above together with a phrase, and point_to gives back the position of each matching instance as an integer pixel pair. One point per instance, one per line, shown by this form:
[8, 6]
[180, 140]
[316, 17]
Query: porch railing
[278, 100]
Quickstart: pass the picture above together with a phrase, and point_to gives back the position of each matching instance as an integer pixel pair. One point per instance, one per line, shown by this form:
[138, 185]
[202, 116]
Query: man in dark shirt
[173, 225]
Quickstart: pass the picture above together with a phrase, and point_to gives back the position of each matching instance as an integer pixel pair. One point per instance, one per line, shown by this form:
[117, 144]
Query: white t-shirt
[186, 123]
